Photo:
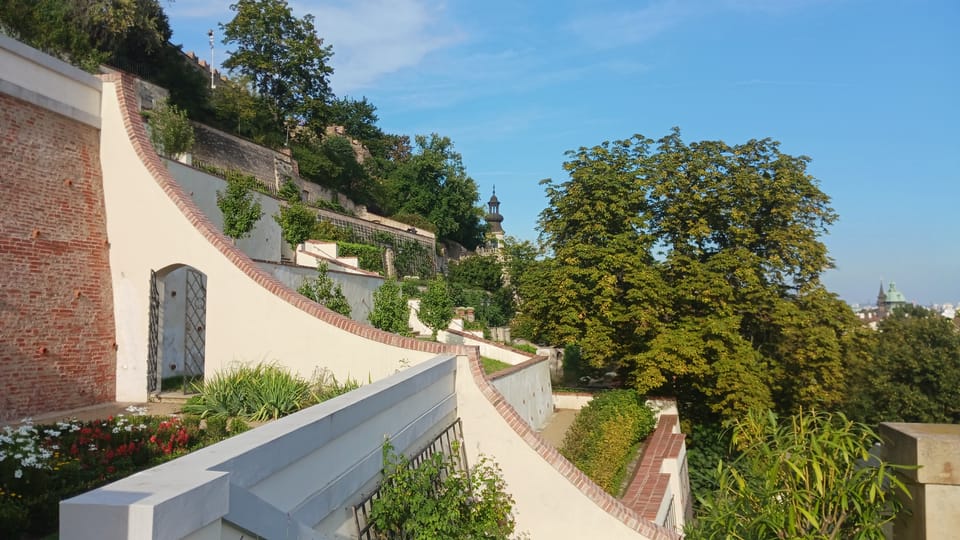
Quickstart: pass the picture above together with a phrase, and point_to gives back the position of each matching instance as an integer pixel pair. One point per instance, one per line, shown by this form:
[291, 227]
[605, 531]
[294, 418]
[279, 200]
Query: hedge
[603, 436]
[369, 257]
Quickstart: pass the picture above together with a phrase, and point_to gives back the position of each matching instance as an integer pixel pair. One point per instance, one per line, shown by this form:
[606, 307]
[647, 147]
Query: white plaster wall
[529, 391]
[358, 288]
[245, 321]
[568, 400]
[292, 478]
[37, 78]
[265, 238]
[547, 505]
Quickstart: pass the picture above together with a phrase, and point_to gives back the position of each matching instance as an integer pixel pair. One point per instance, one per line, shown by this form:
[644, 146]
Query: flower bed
[43, 464]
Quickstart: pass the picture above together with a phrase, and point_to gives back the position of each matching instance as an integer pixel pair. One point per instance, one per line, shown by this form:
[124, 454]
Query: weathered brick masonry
[56, 303]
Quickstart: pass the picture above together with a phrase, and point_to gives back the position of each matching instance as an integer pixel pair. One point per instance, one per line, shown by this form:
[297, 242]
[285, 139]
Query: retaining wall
[56, 305]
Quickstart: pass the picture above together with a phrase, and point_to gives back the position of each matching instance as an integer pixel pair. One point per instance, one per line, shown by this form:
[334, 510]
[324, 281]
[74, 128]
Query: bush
[42, 464]
[603, 436]
[369, 257]
[390, 309]
[438, 499]
[324, 291]
[809, 477]
[170, 131]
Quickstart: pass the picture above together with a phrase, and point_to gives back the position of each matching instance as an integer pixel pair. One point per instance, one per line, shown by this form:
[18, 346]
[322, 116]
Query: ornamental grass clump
[602, 440]
[262, 392]
[257, 393]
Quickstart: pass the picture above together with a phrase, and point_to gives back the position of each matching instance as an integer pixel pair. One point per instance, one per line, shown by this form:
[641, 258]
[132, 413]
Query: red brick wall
[56, 301]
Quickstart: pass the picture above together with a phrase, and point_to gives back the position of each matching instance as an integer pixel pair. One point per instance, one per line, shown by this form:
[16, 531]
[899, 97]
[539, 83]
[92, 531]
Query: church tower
[495, 232]
[881, 302]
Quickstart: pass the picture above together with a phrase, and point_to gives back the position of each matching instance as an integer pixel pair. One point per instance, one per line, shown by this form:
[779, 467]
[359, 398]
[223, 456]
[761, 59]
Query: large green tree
[433, 183]
[282, 55]
[694, 269]
[908, 371]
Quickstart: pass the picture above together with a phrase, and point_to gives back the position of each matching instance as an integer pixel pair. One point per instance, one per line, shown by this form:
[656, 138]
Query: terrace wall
[56, 306]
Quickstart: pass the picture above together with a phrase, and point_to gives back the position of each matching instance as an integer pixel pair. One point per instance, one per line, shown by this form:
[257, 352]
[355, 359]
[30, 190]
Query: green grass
[491, 365]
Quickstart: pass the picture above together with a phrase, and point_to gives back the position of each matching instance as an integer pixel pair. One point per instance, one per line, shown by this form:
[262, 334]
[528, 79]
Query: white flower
[116, 429]
[92, 447]
[18, 473]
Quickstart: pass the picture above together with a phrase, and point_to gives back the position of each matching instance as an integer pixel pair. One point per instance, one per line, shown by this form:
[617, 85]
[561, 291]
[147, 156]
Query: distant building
[495, 232]
[889, 300]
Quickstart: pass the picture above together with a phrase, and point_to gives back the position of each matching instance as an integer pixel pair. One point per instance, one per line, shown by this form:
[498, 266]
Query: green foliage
[258, 393]
[415, 220]
[322, 290]
[44, 464]
[413, 288]
[241, 211]
[907, 371]
[289, 191]
[433, 183]
[491, 309]
[324, 385]
[90, 32]
[324, 230]
[438, 499]
[601, 440]
[411, 258]
[809, 477]
[170, 131]
[282, 55]
[296, 223]
[332, 162]
[390, 309]
[358, 118]
[238, 109]
[436, 307]
[478, 272]
[525, 347]
[694, 269]
[368, 257]
[707, 446]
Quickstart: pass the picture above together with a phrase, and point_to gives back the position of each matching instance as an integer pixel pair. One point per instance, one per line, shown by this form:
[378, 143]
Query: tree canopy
[433, 183]
[907, 371]
[282, 55]
[693, 269]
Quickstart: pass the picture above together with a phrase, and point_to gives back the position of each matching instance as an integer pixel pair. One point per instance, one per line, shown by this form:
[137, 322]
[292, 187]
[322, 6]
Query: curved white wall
[152, 224]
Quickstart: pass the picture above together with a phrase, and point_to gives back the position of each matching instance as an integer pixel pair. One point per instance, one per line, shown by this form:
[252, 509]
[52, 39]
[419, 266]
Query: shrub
[323, 291]
[170, 131]
[436, 307]
[324, 385]
[809, 477]
[390, 309]
[296, 223]
[241, 211]
[603, 436]
[439, 499]
[43, 464]
[368, 257]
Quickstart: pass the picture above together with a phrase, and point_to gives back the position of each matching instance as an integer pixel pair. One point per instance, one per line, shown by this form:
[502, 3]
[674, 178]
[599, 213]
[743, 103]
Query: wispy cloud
[372, 38]
[198, 9]
[609, 26]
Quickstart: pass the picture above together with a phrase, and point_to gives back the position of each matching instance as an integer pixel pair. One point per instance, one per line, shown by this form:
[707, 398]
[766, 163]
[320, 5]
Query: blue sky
[870, 90]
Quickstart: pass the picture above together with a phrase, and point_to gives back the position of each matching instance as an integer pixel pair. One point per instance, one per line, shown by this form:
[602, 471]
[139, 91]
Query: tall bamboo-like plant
[809, 477]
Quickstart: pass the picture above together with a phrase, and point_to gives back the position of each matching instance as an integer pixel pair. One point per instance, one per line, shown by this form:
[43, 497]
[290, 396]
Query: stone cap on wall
[935, 448]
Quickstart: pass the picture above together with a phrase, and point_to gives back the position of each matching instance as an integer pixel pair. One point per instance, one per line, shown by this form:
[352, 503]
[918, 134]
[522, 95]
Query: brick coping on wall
[610, 504]
[648, 484]
[133, 123]
[355, 270]
[517, 367]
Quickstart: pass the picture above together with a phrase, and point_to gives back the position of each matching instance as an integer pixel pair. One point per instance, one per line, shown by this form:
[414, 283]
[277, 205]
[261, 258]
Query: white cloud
[197, 9]
[372, 38]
